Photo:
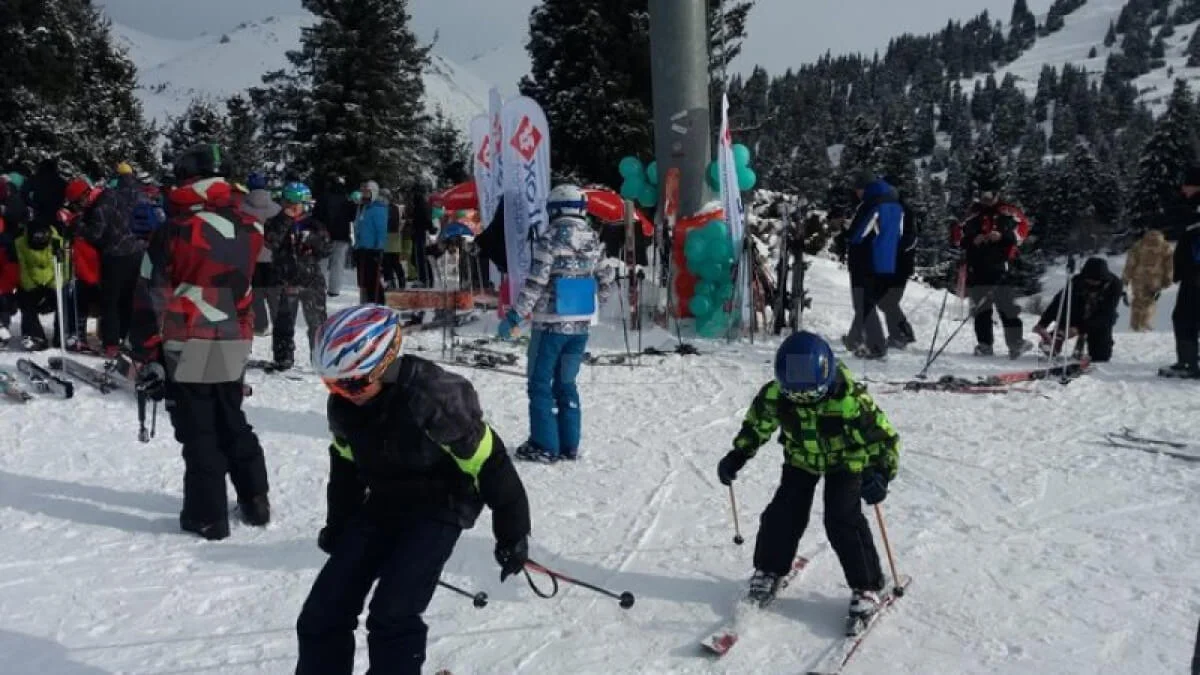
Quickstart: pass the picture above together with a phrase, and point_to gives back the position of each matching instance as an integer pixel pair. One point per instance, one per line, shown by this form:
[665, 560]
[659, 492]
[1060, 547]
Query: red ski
[834, 661]
[721, 641]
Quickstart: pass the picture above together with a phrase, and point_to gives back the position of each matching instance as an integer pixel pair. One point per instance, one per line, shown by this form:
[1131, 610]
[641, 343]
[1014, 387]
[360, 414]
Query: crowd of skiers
[878, 243]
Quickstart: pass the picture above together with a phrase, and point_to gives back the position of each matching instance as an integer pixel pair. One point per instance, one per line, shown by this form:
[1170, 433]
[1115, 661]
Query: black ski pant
[1002, 298]
[421, 261]
[786, 517]
[892, 292]
[217, 440]
[867, 328]
[292, 301]
[118, 277]
[393, 271]
[370, 276]
[33, 303]
[1186, 321]
[1098, 336]
[8, 307]
[406, 557]
[266, 296]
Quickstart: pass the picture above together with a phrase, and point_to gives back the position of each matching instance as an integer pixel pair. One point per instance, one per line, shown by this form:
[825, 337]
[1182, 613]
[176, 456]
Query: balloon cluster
[641, 183]
[438, 213]
[746, 177]
[709, 254]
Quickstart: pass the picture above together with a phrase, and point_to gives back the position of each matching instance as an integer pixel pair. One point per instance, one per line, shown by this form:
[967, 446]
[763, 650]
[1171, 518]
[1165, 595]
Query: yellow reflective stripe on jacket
[474, 464]
[343, 449]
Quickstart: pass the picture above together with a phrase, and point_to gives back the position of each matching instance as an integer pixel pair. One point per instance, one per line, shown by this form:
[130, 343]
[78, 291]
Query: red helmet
[77, 191]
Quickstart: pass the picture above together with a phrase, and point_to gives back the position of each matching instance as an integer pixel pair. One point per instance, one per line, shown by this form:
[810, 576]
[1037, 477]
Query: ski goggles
[348, 388]
[807, 397]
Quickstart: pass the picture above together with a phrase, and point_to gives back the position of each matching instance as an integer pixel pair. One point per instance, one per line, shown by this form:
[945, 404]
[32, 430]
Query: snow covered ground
[1034, 548]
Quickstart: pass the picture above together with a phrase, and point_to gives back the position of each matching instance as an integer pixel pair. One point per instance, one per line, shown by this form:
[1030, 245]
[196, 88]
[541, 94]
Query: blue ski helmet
[296, 193]
[256, 181]
[805, 367]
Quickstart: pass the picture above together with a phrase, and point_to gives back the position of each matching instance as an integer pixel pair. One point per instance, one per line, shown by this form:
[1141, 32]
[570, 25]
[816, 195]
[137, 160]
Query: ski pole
[143, 433]
[887, 546]
[968, 317]
[625, 598]
[480, 599]
[624, 322]
[937, 327]
[737, 528]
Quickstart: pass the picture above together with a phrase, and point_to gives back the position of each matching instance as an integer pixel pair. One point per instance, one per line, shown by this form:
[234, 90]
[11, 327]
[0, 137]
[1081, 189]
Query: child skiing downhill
[411, 466]
[832, 429]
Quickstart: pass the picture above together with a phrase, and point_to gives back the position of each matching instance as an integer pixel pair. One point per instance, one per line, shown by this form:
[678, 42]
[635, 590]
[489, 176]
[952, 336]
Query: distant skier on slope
[1186, 317]
[412, 465]
[1095, 294]
[990, 236]
[831, 428]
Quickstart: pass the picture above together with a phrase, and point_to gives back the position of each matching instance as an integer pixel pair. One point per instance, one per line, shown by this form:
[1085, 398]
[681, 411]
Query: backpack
[146, 218]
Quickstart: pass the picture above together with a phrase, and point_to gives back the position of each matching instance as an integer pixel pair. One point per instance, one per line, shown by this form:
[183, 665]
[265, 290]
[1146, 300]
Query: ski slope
[1033, 548]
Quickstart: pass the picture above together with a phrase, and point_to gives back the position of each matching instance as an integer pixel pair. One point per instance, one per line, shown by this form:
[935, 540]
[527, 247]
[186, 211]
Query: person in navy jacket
[873, 243]
[370, 239]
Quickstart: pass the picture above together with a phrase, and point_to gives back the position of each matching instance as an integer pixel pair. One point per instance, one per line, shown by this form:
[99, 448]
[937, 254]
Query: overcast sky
[782, 33]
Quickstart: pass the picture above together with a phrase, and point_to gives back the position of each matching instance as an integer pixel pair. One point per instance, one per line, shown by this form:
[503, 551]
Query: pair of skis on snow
[43, 382]
[1129, 438]
[834, 659]
[993, 384]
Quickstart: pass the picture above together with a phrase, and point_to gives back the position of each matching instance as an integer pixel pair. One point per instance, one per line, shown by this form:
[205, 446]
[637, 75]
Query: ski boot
[532, 453]
[1016, 351]
[569, 455]
[5, 336]
[210, 531]
[763, 587]
[865, 352]
[864, 605]
[1182, 371]
[983, 350]
[256, 511]
[34, 344]
[897, 342]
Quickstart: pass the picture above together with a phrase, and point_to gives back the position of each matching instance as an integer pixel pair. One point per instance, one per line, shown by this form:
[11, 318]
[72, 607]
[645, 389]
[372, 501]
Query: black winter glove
[152, 380]
[874, 486]
[327, 539]
[730, 465]
[512, 557]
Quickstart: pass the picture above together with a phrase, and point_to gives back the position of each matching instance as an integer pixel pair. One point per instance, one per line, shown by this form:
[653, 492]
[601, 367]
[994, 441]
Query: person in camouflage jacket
[837, 433]
[299, 243]
[1147, 274]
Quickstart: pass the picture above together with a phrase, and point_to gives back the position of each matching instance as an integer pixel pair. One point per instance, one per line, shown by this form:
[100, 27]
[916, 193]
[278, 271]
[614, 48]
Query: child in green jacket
[832, 429]
[37, 248]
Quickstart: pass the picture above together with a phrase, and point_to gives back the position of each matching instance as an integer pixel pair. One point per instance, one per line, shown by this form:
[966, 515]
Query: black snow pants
[866, 328]
[1001, 297]
[266, 296]
[292, 301]
[786, 517]
[370, 276]
[118, 277]
[892, 292]
[406, 557]
[1186, 320]
[217, 440]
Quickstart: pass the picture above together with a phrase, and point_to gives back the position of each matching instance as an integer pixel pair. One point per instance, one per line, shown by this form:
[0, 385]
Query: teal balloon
[438, 211]
[706, 288]
[717, 230]
[714, 325]
[652, 173]
[701, 306]
[630, 167]
[741, 155]
[710, 270]
[695, 251]
[746, 178]
[632, 187]
[649, 196]
[722, 293]
[714, 177]
[356, 196]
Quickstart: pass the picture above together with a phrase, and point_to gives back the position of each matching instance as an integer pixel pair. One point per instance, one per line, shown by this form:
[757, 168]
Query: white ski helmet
[566, 200]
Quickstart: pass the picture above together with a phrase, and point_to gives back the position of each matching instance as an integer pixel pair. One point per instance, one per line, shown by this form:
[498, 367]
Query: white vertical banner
[735, 213]
[481, 163]
[526, 160]
[495, 190]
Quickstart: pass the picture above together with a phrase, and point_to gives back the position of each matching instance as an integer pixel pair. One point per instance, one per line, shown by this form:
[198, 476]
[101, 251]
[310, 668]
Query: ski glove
[730, 464]
[512, 557]
[327, 539]
[508, 325]
[152, 379]
[874, 486]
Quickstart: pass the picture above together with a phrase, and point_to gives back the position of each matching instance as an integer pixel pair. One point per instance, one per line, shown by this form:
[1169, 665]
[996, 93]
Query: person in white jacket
[559, 296]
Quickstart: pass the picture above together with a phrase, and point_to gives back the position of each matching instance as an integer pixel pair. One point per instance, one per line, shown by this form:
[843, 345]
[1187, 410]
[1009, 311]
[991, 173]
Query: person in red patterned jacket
[989, 237]
[191, 336]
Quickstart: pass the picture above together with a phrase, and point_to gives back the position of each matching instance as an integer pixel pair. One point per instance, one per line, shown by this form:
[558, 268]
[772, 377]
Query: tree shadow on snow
[278, 421]
[29, 654]
[88, 504]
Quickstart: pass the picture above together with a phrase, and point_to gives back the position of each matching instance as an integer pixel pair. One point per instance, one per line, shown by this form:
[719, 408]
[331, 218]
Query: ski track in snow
[1033, 546]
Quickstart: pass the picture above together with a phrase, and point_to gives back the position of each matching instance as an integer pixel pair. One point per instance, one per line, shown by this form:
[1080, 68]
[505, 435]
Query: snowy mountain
[1084, 31]
[172, 72]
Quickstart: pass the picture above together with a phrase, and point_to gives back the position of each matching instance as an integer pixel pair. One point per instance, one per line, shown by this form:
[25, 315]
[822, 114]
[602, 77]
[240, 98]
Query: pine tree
[201, 122]
[450, 151]
[1167, 154]
[66, 91]
[859, 151]
[286, 133]
[1022, 31]
[1066, 131]
[1193, 49]
[243, 149]
[1110, 37]
[987, 165]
